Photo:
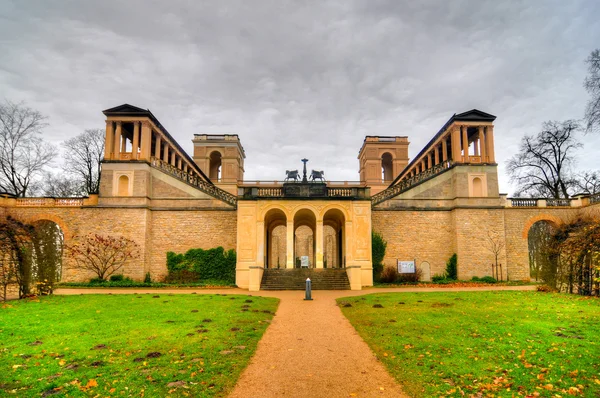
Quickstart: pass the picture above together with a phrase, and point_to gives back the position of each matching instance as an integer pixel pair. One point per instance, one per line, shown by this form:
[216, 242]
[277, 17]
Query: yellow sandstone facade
[443, 201]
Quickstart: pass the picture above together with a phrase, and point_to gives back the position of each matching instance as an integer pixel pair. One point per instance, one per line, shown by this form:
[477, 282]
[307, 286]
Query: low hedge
[130, 283]
[199, 265]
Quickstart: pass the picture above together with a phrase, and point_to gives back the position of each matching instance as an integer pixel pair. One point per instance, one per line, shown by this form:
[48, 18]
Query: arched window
[477, 187]
[215, 166]
[123, 186]
[387, 167]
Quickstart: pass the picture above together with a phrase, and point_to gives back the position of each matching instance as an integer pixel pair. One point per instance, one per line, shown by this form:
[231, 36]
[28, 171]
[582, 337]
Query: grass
[496, 344]
[129, 345]
[133, 284]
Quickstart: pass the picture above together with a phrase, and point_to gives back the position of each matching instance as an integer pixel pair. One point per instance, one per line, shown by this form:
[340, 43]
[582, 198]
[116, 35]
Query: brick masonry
[164, 215]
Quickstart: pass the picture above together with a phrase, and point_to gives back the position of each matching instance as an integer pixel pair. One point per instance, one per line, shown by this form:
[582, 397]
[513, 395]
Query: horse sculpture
[317, 175]
[291, 174]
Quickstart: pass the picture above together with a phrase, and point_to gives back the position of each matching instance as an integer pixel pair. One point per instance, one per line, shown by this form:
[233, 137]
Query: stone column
[476, 145]
[260, 244]
[173, 155]
[117, 142]
[166, 153]
[429, 163]
[465, 144]
[490, 143]
[123, 144]
[482, 144]
[146, 142]
[289, 246]
[455, 144]
[436, 153]
[444, 150]
[319, 244]
[136, 140]
[157, 147]
[422, 165]
[108, 144]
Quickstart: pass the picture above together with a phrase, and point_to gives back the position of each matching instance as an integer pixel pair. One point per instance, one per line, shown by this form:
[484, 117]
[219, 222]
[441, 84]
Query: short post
[308, 289]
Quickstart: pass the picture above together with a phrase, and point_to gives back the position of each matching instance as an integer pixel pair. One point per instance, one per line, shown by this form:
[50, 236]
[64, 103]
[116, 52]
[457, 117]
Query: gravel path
[310, 349]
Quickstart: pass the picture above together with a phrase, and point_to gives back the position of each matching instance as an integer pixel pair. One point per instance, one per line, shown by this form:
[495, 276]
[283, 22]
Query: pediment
[474, 115]
[126, 109]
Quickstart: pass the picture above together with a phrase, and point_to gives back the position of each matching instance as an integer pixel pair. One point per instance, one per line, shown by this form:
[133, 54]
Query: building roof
[130, 110]
[474, 115]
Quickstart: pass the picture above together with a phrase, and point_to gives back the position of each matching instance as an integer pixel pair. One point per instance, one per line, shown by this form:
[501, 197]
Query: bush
[199, 264]
[545, 289]
[116, 278]
[147, 278]
[452, 267]
[438, 277]
[378, 246]
[410, 278]
[388, 275]
[97, 280]
[488, 279]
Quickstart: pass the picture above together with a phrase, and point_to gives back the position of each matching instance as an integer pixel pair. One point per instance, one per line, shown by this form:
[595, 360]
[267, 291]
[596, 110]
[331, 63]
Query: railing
[270, 192]
[195, 181]
[523, 202]
[558, 202]
[300, 190]
[49, 202]
[407, 183]
[278, 183]
[342, 192]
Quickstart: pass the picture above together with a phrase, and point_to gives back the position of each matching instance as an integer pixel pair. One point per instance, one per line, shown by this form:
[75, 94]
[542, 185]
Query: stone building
[443, 201]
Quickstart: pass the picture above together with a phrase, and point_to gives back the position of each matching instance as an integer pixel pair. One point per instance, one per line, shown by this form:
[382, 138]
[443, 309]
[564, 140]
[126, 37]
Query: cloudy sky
[303, 78]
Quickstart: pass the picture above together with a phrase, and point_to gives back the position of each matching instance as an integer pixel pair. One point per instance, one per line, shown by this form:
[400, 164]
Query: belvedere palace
[445, 200]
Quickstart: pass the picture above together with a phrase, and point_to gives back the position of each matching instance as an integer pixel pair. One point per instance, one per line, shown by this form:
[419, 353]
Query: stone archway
[334, 248]
[305, 238]
[539, 245]
[47, 251]
[275, 238]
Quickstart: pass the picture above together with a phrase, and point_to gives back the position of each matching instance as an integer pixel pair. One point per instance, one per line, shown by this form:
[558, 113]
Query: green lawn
[496, 344]
[152, 345]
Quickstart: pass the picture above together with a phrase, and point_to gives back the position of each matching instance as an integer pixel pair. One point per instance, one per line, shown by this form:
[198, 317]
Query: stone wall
[179, 231]
[156, 232]
[421, 235]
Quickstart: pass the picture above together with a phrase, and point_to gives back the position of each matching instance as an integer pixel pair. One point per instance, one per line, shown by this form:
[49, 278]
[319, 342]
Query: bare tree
[588, 182]
[83, 155]
[592, 85]
[543, 165]
[102, 255]
[61, 186]
[495, 245]
[23, 154]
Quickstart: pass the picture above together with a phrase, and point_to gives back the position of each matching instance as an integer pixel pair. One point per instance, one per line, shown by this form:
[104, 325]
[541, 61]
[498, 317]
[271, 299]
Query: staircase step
[295, 279]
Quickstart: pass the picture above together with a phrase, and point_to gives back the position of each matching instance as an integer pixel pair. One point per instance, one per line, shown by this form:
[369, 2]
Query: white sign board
[406, 267]
[304, 261]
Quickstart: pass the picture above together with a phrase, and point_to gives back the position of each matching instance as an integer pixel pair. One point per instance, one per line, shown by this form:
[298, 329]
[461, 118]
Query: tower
[221, 157]
[381, 159]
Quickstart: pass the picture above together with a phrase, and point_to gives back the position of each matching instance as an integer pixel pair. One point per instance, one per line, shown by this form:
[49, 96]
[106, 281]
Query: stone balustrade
[407, 183]
[194, 180]
[49, 202]
[304, 190]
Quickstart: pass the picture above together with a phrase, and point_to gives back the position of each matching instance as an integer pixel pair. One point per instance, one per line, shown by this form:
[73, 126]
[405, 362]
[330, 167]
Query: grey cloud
[298, 79]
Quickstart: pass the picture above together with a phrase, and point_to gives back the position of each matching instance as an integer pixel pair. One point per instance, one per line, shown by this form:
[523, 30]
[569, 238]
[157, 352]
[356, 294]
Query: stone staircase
[295, 279]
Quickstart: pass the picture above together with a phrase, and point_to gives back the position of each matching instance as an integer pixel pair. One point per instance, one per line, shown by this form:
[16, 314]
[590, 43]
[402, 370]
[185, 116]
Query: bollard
[308, 290]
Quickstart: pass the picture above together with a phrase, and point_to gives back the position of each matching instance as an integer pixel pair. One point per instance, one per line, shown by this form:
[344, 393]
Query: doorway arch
[275, 238]
[334, 221]
[305, 225]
